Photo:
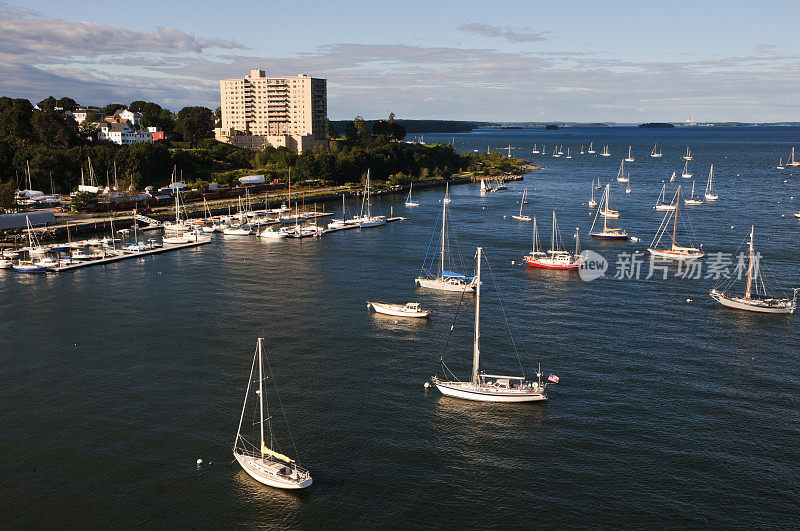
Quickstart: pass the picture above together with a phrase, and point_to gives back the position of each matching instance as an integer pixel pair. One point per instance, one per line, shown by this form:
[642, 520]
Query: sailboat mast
[553, 234]
[533, 243]
[675, 226]
[606, 207]
[261, 397]
[750, 266]
[444, 214]
[476, 350]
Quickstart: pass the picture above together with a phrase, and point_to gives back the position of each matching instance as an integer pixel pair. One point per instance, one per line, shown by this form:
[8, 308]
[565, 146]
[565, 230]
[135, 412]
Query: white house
[132, 117]
[122, 133]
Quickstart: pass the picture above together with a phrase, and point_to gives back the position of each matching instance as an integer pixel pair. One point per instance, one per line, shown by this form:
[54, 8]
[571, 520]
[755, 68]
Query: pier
[127, 255]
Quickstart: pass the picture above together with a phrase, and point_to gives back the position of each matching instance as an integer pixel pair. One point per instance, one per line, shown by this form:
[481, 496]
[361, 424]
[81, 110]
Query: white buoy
[427, 385]
[199, 462]
[513, 262]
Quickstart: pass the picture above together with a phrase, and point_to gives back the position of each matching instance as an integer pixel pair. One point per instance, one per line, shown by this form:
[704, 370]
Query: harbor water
[670, 410]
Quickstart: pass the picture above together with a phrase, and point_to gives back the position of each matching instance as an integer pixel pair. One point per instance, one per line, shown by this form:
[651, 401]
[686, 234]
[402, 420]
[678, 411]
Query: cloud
[505, 32]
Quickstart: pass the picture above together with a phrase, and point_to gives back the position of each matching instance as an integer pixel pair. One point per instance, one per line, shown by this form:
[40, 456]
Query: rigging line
[450, 334]
[505, 316]
[435, 228]
[278, 394]
[725, 283]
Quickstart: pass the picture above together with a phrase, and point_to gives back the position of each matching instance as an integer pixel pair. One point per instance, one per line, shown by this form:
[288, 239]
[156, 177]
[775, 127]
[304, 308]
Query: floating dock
[128, 254]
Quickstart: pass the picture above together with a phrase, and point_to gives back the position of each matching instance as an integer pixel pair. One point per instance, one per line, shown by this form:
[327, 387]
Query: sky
[490, 60]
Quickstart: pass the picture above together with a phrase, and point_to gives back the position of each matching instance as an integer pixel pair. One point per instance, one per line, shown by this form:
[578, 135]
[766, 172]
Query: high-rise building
[260, 111]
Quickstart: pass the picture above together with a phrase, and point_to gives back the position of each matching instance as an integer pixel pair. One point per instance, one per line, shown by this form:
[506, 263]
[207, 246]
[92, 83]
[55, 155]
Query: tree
[68, 104]
[48, 104]
[7, 196]
[331, 131]
[389, 128]
[111, 108]
[195, 124]
[15, 118]
[50, 129]
[218, 117]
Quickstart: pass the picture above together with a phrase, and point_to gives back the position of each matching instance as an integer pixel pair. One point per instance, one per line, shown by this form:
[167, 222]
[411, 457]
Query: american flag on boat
[552, 378]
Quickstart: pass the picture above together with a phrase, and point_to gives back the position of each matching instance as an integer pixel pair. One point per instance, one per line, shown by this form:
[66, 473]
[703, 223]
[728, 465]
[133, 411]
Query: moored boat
[409, 309]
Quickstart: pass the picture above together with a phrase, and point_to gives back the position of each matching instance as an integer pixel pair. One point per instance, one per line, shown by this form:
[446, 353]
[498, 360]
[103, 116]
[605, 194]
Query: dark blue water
[117, 378]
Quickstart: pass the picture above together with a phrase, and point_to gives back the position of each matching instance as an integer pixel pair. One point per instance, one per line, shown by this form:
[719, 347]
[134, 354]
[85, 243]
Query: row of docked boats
[558, 151]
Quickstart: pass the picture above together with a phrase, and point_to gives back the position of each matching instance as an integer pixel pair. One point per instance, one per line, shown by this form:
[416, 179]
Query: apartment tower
[260, 111]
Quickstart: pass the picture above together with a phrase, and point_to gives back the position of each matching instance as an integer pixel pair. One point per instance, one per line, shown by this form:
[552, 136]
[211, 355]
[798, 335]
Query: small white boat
[792, 162]
[692, 200]
[534, 150]
[568, 155]
[607, 233]
[630, 157]
[660, 204]
[262, 462]
[520, 216]
[780, 165]
[710, 194]
[605, 152]
[674, 251]
[409, 202]
[409, 309]
[592, 202]
[5, 263]
[27, 266]
[591, 148]
[272, 232]
[685, 173]
[688, 155]
[621, 177]
[656, 153]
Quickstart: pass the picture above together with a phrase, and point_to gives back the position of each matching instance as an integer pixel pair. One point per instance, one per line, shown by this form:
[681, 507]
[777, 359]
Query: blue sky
[508, 61]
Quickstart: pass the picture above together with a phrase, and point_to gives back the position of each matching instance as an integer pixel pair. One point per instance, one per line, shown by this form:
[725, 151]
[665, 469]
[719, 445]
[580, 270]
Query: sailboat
[660, 204]
[568, 155]
[685, 174]
[409, 202]
[605, 152]
[711, 195]
[443, 280]
[691, 200]
[534, 150]
[591, 148]
[605, 210]
[556, 257]
[791, 162]
[263, 463]
[674, 252]
[561, 149]
[344, 223]
[688, 155]
[446, 193]
[656, 153]
[628, 187]
[366, 219]
[520, 216]
[630, 158]
[672, 177]
[484, 387]
[29, 266]
[598, 186]
[582, 151]
[780, 165]
[608, 233]
[484, 187]
[592, 202]
[556, 153]
[755, 298]
[621, 172]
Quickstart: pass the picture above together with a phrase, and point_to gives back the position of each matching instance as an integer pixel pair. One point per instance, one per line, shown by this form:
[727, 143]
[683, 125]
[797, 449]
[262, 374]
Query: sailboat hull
[268, 472]
[783, 306]
[677, 255]
[469, 391]
[443, 285]
[549, 263]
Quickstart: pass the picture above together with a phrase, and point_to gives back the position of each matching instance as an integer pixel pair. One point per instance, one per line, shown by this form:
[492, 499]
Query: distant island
[551, 127]
[656, 125]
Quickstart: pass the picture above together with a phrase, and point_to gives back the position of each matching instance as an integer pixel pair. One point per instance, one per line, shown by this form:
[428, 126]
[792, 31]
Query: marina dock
[128, 255]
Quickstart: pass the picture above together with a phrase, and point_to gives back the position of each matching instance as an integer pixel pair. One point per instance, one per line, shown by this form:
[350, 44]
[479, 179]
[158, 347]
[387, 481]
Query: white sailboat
[582, 151]
[29, 266]
[780, 165]
[520, 216]
[630, 157]
[443, 279]
[755, 298]
[409, 201]
[711, 194]
[621, 178]
[692, 200]
[591, 148]
[791, 162]
[366, 219]
[605, 208]
[628, 186]
[534, 150]
[592, 202]
[484, 387]
[484, 187]
[672, 177]
[656, 153]
[557, 257]
[605, 152]
[446, 199]
[674, 251]
[685, 173]
[607, 233]
[568, 155]
[660, 204]
[556, 152]
[262, 462]
[688, 155]
[598, 186]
